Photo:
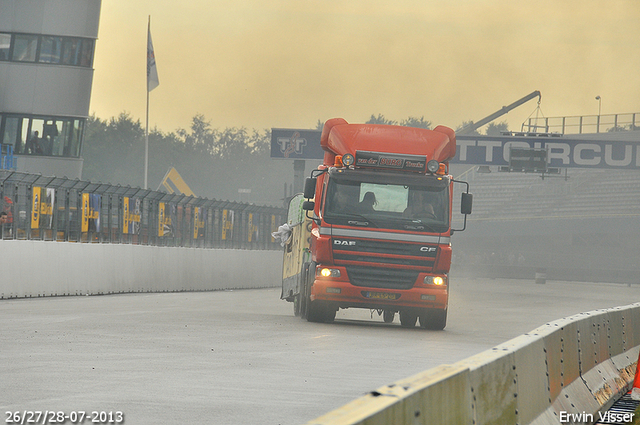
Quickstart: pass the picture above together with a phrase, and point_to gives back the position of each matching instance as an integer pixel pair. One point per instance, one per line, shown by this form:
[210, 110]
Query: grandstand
[580, 193]
[582, 224]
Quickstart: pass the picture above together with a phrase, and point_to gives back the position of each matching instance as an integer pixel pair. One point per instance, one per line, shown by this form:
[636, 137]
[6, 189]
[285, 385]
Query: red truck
[373, 227]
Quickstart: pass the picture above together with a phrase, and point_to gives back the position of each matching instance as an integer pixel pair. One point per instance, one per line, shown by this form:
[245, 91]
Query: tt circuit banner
[562, 152]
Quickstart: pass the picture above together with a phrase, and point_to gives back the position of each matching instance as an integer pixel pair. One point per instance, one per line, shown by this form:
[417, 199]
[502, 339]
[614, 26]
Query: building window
[42, 136]
[50, 49]
[24, 48]
[72, 51]
[86, 57]
[5, 46]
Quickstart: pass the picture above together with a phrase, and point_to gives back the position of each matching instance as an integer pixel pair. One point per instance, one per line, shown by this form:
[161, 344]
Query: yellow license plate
[381, 295]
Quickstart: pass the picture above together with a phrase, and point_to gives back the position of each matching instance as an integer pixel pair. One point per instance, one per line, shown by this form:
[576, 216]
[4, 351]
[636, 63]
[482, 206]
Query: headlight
[435, 280]
[326, 272]
[347, 160]
[433, 166]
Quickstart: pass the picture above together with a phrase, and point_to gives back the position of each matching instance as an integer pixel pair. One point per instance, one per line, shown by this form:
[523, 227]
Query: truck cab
[379, 215]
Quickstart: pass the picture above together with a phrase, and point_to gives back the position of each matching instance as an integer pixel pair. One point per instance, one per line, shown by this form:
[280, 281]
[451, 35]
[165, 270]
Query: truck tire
[320, 311]
[408, 318]
[329, 313]
[315, 312]
[304, 292]
[434, 319]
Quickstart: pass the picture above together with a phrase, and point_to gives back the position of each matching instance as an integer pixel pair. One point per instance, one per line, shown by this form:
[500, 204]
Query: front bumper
[340, 292]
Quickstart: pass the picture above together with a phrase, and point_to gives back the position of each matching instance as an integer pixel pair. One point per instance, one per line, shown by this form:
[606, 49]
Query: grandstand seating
[581, 193]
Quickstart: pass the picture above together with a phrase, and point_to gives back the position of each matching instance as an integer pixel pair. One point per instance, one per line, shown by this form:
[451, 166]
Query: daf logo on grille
[344, 243]
[428, 248]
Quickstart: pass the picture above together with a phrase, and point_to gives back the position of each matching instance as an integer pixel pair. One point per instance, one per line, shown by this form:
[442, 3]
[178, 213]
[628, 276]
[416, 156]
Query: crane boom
[471, 127]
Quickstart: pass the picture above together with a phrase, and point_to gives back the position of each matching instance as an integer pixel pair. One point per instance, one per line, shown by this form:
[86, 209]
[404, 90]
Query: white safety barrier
[561, 372]
[37, 268]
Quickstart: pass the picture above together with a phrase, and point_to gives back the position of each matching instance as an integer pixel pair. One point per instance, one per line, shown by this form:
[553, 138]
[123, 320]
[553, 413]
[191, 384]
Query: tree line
[215, 163]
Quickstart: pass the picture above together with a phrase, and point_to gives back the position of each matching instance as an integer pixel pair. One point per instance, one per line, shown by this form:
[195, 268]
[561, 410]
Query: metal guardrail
[583, 124]
[62, 209]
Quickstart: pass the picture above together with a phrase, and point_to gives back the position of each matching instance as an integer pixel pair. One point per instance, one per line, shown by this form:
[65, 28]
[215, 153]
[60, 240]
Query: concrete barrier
[439, 395]
[40, 269]
[574, 366]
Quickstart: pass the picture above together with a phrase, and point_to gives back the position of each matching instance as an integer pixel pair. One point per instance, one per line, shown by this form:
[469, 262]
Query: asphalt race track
[241, 357]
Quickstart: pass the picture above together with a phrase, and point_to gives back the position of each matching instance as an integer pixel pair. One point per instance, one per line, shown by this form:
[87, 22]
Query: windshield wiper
[420, 226]
[367, 221]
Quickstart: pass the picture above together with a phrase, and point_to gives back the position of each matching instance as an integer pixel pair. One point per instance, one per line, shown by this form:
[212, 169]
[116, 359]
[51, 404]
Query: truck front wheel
[434, 319]
[408, 319]
[320, 312]
[313, 311]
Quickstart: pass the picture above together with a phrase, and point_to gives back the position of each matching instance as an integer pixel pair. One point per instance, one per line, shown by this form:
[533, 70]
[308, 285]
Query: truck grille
[381, 247]
[377, 277]
[384, 260]
[346, 251]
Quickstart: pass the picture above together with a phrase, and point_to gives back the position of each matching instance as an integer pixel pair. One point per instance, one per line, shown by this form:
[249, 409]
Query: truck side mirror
[466, 203]
[308, 205]
[310, 187]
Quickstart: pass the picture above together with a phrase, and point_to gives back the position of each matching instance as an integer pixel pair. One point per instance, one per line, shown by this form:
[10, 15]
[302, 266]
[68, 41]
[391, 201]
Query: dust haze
[262, 64]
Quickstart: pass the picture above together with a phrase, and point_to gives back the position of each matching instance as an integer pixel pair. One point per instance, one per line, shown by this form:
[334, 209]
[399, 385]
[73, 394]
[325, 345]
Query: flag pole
[146, 130]
[146, 146]
[152, 83]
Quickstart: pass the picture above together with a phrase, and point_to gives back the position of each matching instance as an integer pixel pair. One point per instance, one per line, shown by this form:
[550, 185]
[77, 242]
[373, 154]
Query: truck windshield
[387, 200]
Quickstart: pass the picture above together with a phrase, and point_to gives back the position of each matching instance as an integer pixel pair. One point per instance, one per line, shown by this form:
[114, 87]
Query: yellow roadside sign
[174, 183]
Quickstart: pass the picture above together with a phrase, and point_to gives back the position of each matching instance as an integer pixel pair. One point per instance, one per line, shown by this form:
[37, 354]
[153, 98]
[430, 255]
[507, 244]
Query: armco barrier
[39, 268]
[574, 366]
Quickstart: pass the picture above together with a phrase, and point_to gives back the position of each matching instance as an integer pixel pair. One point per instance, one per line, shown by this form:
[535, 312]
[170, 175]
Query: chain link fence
[62, 209]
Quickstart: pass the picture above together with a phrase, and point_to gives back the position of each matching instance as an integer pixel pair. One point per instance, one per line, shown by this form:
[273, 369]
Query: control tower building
[46, 73]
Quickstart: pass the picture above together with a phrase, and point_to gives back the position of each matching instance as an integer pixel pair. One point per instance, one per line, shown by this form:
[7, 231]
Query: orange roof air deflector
[329, 155]
[339, 137]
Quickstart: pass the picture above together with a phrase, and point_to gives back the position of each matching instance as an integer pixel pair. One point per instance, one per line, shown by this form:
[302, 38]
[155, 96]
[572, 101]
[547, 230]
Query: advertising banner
[161, 219]
[196, 222]
[288, 143]
[165, 215]
[227, 224]
[46, 208]
[90, 212]
[130, 216]
[125, 215]
[85, 213]
[35, 207]
[94, 208]
[135, 212]
[562, 152]
[199, 218]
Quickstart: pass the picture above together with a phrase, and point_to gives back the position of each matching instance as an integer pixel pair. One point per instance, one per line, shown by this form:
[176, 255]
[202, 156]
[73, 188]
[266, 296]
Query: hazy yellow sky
[289, 63]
